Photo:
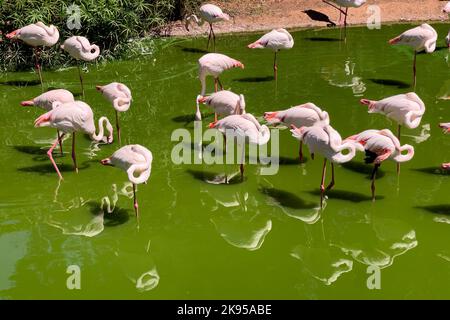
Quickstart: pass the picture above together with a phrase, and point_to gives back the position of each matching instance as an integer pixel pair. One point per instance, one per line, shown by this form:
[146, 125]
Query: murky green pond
[263, 238]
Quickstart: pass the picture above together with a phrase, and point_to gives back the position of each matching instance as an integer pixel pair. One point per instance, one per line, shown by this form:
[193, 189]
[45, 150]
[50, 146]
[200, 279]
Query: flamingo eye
[92, 50]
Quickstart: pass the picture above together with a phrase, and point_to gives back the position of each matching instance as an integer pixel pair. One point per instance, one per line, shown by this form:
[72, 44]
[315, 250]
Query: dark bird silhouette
[319, 16]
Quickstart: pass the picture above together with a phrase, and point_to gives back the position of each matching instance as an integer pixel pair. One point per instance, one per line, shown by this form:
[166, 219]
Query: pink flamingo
[36, 35]
[446, 128]
[120, 97]
[73, 117]
[305, 115]
[223, 102]
[346, 4]
[213, 64]
[275, 40]
[80, 48]
[380, 145]
[421, 38]
[243, 126]
[328, 142]
[446, 8]
[211, 14]
[46, 102]
[135, 160]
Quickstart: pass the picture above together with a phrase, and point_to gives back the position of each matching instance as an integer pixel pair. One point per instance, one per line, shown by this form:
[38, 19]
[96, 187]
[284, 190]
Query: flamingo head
[99, 88]
[369, 103]
[212, 125]
[201, 99]
[106, 162]
[298, 133]
[446, 166]
[11, 35]
[445, 127]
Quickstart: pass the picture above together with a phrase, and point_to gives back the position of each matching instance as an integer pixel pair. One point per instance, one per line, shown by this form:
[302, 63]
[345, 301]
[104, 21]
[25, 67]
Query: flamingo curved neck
[405, 157]
[145, 168]
[99, 137]
[340, 157]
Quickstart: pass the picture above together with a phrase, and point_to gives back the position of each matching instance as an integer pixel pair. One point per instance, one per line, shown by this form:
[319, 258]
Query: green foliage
[111, 24]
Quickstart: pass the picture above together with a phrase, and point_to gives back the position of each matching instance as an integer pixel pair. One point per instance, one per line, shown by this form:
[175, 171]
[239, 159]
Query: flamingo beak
[99, 88]
[106, 162]
[212, 125]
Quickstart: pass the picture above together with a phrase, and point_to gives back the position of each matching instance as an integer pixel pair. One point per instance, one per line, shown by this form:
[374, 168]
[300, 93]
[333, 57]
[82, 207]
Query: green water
[263, 238]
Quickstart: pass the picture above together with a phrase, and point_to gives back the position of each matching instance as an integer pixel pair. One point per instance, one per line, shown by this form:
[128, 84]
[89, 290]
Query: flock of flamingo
[308, 123]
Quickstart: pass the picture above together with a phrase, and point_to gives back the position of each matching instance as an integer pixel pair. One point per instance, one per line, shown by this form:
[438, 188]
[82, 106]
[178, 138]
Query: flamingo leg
[220, 83]
[322, 183]
[38, 67]
[399, 129]
[81, 79]
[345, 24]
[225, 162]
[135, 202]
[241, 168]
[74, 157]
[374, 177]
[332, 183]
[275, 67]
[216, 86]
[209, 37]
[49, 154]
[300, 152]
[215, 116]
[60, 142]
[118, 127]
[414, 71]
[214, 38]
[334, 6]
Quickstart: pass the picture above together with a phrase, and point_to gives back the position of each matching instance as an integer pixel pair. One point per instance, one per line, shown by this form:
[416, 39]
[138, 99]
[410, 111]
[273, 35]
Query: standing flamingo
[73, 117]
[305, 115]
[211, 14]
[446, 128]
[245, 127]
[46, 101]
[275, 40]
[36, 35]
[328, 142]
[346, 4]
[135, 160]
[380, 145]
[80, 48]
[120, 97]
[213, 64]
[223, 102]
[420, 38]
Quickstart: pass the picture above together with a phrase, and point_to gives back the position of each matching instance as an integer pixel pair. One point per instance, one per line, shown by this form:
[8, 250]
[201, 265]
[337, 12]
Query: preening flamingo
[305, 115]
[120, 97]
[80, 48]
[213, 64]
[446, 128]
[275, 40]
[46, 101]
[421, 38]
[136, 160]
[224, 103]
[36, 35]
[328, 142]
[380, 145]
[73, 117]
[209, 13]
[244, 127]
[346, 4]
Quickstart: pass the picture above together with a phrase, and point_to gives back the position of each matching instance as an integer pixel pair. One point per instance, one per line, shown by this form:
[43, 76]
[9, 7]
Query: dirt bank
[260, 15]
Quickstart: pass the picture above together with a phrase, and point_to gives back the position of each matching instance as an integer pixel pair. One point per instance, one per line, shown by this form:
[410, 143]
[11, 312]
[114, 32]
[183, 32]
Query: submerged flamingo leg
[322, 183]
[331, 185]
[49, 154]
[300, 152]
[275, 67]
[74, 158]
[135, 202]
[345, 24]
[118, 128]
[374, 177]
[398, 136]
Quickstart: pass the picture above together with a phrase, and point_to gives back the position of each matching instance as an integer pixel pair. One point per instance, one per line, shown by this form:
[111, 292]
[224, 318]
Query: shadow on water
[322, 39]
[347, 195]
[362, 168]
[287, 199]
[189, 118]
[33, 150]
[193, 50]
[285, 161]
[48, 168]
[438, 209]
[255, 79]
[319, 16]
[392, 83]
[117, 217]
[433, 170]
[215, 178]
[20, 83]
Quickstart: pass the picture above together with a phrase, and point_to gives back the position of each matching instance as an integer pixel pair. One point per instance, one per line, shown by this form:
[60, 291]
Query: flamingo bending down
[36, 35]
[380, 145]
[421, 38]
[223, 102]
[245, 127]
[446, 127]
[80, 48]
[211, 14]
[305, 115]
[328, 142]
[46, 101]
[120, 97]
[213, 64]
[346, 4]
[275, 40]
[135, 160]
[73, 117]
